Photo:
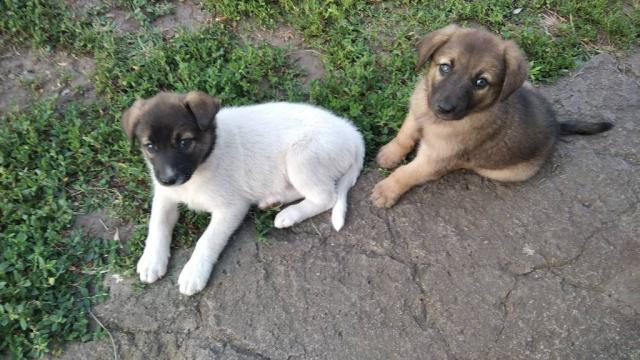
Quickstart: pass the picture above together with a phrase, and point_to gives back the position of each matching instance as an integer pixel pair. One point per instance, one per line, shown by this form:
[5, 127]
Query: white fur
[264, 154]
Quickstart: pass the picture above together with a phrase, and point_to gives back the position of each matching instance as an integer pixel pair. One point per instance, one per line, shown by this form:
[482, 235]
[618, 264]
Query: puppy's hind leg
[276, 200]
[514, 173]
[316, 186]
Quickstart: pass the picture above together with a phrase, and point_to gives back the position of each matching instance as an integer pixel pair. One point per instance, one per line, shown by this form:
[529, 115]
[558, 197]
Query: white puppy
[224, 162]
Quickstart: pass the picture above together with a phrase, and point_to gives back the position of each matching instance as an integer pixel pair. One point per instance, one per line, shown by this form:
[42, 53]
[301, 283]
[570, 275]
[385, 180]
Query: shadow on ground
[462, 268]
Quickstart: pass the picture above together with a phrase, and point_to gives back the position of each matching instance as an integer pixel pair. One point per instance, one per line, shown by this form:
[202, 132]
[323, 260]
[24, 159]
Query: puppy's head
[176, 132]
[469, 70]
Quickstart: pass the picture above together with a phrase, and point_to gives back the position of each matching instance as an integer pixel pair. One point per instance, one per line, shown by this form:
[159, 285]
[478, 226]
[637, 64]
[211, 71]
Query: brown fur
[504, 130]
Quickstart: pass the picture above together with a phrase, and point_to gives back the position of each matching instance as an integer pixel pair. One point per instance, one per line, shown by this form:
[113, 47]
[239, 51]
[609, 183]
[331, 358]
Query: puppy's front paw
[152, 265]
[194, 276]
[286, 218]
[385, 194]
[390, 155]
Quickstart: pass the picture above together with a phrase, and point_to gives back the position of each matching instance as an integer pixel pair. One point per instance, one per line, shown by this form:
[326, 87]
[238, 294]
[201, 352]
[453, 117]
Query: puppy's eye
[150, 146]
[445, 69]
[185, 143]
[480, 83]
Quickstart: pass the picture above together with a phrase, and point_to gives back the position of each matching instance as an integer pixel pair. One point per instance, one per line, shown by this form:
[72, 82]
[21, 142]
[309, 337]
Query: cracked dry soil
[461, 268]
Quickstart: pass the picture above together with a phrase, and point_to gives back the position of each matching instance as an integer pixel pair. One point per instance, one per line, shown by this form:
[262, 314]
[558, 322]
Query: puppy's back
[288, 123]
[284, 114]
[259, 147]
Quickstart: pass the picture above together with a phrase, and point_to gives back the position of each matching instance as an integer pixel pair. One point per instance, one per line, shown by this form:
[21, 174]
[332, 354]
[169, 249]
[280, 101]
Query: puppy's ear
[516, 70]
[203, 107]
[430, 43]
[131, 117]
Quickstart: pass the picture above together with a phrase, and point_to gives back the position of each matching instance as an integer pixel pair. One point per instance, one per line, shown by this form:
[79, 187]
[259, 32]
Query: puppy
[472, 110]
[224, 162]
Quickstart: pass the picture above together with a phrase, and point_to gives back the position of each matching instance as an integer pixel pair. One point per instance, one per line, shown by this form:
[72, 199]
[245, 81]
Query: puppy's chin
[180, 180]
[450, 117]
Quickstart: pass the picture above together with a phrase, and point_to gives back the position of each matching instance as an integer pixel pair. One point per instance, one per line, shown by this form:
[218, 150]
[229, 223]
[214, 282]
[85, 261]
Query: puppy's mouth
[447, 111]
[174, 180]
[450, 117]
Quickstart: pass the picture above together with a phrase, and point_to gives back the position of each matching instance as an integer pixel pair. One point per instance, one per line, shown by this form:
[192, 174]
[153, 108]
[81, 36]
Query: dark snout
[168, 178]
[452, 108]
[168, 175]
[446, 107]
[450, 101]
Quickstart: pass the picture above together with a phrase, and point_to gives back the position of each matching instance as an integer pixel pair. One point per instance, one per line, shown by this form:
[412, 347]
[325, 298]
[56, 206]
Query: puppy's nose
[445, 107]
[168, 179]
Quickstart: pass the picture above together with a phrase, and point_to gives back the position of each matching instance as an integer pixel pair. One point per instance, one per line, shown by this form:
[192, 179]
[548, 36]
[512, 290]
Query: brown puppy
[472, 110]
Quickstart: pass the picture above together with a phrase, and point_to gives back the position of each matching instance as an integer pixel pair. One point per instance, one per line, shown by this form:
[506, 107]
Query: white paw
[194, 276]
[152, 265]
[286, 218]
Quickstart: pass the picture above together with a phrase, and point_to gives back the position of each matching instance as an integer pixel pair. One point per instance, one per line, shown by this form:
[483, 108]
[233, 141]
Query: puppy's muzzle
[451, 108]
[445, 107]
[172, 178]
[167, 179]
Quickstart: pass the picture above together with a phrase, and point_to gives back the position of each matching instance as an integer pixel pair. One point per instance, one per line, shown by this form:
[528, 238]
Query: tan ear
[203, 107]
[130, 118]
[516, 70]
[434, 40]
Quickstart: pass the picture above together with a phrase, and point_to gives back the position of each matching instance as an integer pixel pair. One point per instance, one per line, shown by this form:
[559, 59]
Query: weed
[264, 222]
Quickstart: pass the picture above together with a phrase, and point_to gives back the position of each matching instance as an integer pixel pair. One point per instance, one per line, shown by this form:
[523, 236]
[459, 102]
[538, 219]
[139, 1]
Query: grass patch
[369, 50]
[211, 60]
[57, 162]
[49, 24]
[48, 272]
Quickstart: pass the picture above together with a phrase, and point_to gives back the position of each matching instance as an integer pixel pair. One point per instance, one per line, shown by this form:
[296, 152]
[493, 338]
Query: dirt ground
[26, 74]
[461, 268]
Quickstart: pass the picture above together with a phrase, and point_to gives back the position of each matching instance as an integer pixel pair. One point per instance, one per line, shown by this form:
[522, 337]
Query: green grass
[48, 271]
[368, 46]
[58, 161]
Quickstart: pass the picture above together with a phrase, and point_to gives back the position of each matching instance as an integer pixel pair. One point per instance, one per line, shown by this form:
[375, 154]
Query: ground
[460, 268]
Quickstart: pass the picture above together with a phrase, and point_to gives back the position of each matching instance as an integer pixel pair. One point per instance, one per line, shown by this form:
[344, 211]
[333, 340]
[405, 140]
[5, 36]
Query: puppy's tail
[339, 211]
[583, 128]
